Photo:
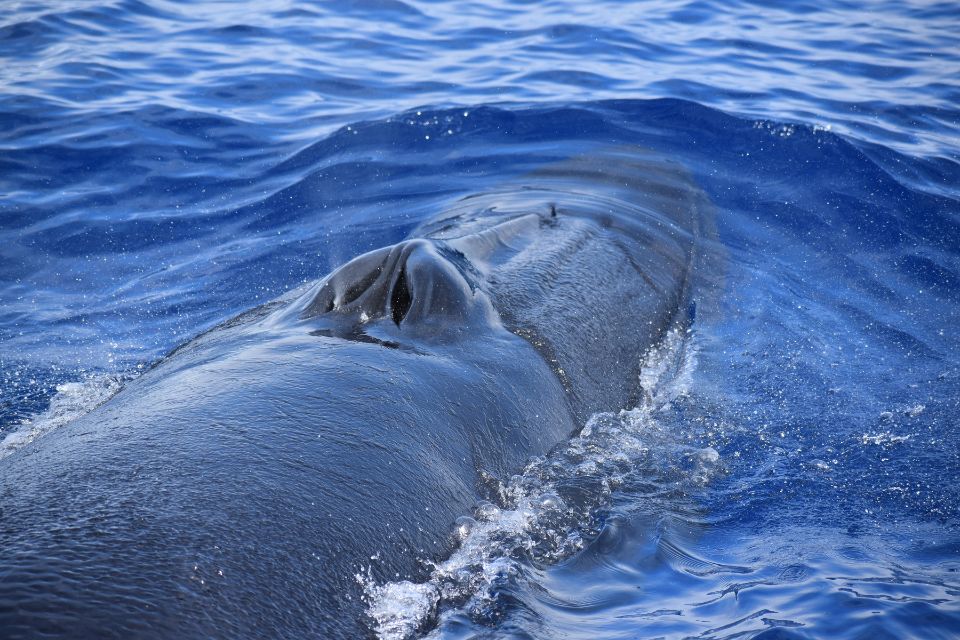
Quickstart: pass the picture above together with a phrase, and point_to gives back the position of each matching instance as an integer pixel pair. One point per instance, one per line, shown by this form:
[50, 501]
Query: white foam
[399, 608]
[534, 521]
[915, 410]
[885, 438]
[72, 400]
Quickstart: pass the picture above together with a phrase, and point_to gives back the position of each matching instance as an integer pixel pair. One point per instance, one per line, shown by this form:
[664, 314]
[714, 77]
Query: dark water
[794, 473]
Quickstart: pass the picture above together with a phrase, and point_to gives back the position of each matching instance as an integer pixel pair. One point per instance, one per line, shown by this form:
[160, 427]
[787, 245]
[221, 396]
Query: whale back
[593, 275]
[239, 486]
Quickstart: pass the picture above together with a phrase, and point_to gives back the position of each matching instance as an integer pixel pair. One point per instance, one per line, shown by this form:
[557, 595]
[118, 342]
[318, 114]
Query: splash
[546, 513]
[71, 401]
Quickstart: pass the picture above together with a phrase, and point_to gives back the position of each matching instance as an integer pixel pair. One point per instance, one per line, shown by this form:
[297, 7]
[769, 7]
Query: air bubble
[463, 527]
[487, 511]
[550, 502]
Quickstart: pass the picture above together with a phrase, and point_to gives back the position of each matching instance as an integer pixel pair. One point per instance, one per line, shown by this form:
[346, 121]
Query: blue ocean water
[165, 165]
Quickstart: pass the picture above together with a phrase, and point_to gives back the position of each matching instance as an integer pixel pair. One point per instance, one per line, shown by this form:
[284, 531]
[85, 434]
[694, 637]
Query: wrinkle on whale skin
[237, 488]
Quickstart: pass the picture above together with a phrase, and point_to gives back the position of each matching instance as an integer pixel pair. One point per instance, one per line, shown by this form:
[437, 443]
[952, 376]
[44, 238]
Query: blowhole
[400, 298]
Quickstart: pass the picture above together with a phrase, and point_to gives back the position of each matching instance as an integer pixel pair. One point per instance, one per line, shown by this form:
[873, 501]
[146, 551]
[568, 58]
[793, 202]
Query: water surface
[794, 471]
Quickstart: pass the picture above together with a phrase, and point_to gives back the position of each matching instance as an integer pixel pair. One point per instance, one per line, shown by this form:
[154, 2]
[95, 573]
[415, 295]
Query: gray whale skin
[237, 488]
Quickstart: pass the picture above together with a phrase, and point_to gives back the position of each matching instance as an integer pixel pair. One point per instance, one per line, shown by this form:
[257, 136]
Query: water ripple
[166, 164]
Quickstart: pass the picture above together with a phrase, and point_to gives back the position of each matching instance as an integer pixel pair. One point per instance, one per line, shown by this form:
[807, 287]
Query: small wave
[71, 401]
[546, 513]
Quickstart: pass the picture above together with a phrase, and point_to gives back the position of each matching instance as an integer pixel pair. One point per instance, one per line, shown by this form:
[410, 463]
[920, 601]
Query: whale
[238, 487]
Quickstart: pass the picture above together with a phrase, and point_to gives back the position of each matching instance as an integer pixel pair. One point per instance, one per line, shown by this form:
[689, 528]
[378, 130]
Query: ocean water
[793, 471]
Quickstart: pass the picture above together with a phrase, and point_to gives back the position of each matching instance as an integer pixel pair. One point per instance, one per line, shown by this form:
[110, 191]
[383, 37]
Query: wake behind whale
[237, 487]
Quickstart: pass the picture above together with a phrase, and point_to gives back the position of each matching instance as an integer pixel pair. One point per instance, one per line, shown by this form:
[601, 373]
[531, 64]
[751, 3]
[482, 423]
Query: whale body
[237, 487]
